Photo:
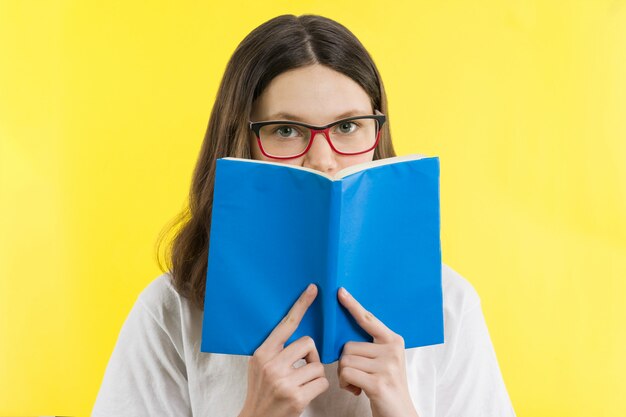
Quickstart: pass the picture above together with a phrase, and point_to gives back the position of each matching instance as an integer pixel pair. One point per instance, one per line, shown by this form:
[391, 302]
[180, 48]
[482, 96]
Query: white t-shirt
[157, 368]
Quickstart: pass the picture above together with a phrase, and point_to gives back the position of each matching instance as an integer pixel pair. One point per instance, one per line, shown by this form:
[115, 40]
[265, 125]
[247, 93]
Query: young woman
[311, 70]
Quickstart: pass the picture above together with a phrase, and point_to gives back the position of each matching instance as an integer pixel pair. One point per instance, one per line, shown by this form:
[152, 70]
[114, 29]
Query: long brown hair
[283, 43]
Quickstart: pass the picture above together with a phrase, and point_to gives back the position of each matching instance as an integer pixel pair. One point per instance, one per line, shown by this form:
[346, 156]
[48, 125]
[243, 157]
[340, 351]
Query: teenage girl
[312, 70]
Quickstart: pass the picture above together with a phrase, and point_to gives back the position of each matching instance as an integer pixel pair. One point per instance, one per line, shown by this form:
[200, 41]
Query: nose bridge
[325, 136]
[321, 156]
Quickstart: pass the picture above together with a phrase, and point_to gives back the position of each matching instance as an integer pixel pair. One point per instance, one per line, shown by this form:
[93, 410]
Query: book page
[366, 165]
[314, 171]
[344, 172]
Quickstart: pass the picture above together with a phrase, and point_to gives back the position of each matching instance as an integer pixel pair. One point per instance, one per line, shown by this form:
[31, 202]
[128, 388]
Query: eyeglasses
[282, 139]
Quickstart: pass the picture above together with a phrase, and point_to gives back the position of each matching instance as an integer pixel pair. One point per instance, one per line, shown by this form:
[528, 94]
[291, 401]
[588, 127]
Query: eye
[345, 127]
[286, 131]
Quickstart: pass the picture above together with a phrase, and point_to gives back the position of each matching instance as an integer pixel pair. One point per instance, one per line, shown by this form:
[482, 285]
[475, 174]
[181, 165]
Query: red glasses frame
[256, 128]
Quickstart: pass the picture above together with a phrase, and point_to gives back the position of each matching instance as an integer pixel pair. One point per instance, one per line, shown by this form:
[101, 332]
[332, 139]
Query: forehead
[313, 94]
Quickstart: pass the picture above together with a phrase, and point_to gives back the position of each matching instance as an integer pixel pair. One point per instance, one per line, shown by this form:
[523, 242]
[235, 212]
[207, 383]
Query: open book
[374, 229]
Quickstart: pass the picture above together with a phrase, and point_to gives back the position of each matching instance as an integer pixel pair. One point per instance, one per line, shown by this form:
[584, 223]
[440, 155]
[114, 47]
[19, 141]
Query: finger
[312, 355]
[349, 387]
[364, 318]
[314, 388]
[283, 331]
[304, 347]
[307, 373]
[355, 390]
[360, 379]
[359, 362]
[344, 385]
[365, 349]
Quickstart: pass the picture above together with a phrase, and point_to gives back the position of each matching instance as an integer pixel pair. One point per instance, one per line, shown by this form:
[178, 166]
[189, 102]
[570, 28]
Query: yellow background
[104, 104]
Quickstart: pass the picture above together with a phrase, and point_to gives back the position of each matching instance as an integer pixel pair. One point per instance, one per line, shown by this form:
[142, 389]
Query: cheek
[347, 161]
[257, 154]
[254, 149]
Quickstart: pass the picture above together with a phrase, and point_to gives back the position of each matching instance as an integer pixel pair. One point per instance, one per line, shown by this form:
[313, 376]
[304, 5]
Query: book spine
[330, 300]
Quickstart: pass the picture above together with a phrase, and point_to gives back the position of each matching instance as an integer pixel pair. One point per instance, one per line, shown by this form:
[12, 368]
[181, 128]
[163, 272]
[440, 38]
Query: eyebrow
[288, 116]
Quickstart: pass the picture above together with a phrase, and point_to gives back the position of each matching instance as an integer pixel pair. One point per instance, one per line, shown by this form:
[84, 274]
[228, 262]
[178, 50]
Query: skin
[319, 95]
[275, 387]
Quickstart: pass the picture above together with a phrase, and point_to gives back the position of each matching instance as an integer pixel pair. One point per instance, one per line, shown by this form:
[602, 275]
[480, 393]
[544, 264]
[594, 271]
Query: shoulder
[467, 371]
[159, 289]
[459, 295]
[161, 300]
[459, 298]
[146, 373]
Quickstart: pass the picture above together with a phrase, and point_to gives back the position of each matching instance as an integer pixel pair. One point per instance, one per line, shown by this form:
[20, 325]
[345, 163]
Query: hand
[377, 368]
[275, 387]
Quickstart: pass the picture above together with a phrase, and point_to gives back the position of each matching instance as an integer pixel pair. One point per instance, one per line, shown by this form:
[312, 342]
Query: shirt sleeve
[146, 375]
[470, 383]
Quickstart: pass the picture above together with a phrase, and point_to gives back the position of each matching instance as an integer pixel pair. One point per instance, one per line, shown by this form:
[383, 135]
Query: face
[317, 95]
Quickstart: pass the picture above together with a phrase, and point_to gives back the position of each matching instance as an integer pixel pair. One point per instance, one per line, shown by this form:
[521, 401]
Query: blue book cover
[373, 228]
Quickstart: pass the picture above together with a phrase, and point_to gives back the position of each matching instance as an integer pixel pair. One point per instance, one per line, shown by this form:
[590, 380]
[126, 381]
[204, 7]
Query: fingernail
[309, 288]
[343, 291]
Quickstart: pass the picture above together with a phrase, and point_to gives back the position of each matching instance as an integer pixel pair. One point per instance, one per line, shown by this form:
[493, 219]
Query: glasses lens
[352, 136]
[284, 139]
[355, 135]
